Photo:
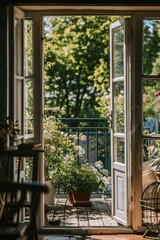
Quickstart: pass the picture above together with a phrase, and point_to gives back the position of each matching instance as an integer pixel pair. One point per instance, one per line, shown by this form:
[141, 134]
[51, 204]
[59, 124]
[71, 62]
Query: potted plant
[78, 180]
[60, 162]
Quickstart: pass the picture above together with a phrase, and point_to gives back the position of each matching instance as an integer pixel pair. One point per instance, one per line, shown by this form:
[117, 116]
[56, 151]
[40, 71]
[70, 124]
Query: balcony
[65, 215]
[96, 147]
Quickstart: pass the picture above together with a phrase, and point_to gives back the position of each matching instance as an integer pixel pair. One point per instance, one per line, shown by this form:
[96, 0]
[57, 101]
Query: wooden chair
[12, 199]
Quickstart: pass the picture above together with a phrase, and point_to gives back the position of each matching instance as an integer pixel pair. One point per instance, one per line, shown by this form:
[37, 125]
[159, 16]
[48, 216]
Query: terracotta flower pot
[70, 198]
[79, 198]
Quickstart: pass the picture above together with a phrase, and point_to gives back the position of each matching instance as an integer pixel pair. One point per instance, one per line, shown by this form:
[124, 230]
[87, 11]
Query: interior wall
[3, 62]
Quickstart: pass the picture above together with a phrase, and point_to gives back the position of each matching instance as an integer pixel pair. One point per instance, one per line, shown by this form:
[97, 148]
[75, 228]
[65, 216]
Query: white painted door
[120, 127]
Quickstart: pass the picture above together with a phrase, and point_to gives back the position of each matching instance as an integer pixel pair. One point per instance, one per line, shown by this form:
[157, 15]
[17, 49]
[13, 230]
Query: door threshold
[85, 231]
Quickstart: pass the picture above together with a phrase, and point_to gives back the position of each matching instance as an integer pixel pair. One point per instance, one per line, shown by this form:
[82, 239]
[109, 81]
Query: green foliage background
[76, 64]
[76, 60]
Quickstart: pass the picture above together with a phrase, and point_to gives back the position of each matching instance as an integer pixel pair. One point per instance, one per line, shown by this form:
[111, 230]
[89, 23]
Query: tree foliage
[151, 46]
[76, 60]
[151, 66]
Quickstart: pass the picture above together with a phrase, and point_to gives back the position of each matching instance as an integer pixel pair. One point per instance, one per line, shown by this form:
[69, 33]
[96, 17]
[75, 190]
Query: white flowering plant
[82, 177]
[58, 146]
[106, 185]
[61, 153]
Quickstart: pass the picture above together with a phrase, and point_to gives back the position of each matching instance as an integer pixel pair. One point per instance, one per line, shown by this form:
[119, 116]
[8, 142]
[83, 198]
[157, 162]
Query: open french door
[120, 112]
[28, 81]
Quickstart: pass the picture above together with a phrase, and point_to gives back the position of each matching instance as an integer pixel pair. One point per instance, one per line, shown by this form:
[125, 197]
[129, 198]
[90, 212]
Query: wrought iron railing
[97, 138]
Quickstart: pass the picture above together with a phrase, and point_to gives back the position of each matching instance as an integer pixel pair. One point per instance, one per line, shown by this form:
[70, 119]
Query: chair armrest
[6, 186]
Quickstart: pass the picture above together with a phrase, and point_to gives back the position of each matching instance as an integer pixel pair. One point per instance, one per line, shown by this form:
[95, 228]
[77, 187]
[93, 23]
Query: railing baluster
[105, 149]
[87, 140]
[78, 142]
[96, 144]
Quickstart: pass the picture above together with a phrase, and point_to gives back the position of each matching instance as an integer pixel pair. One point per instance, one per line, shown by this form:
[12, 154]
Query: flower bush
[105, 186]
[60, 161]
[73, 177]
[58, 145]
[84, 177]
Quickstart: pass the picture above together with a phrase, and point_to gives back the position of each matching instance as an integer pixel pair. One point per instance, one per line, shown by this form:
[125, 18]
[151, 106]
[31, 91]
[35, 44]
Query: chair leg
[33, 235]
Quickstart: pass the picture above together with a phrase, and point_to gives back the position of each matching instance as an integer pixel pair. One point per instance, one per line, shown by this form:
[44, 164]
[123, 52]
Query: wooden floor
[96, 214]
[94, 237]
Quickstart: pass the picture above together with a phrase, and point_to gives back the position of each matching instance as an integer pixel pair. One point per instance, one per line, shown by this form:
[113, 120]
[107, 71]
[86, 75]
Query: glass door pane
[119, 107]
